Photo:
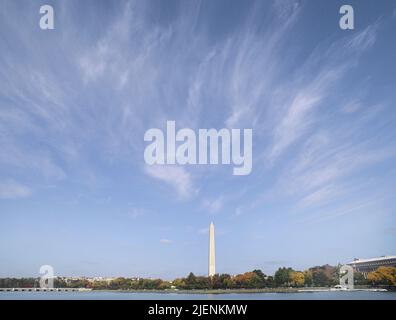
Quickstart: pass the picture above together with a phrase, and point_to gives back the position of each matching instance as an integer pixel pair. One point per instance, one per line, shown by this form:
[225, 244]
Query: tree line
[321, 276]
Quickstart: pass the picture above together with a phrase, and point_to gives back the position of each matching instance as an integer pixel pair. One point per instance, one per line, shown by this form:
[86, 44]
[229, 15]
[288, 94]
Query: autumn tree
[383, 276]
[296, 278]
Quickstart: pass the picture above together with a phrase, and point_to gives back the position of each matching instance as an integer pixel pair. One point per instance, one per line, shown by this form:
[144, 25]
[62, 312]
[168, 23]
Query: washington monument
[212, 256]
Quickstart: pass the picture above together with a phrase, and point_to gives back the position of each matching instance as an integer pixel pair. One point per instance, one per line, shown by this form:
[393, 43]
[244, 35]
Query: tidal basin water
[109, 295]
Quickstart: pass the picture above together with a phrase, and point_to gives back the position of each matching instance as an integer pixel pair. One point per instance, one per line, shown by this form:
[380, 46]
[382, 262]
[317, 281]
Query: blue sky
[76, 101]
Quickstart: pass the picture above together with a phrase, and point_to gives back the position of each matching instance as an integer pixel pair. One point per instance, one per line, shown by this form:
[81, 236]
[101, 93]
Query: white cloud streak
[12, 190]
[175, 176]
[213, 206]
[166, 241]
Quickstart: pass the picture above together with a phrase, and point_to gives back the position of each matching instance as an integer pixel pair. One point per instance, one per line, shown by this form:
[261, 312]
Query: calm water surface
[107, 295]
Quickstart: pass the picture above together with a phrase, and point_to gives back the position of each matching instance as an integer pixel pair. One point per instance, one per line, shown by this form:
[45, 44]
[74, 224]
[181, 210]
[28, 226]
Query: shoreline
[209, 291]
[198, 291]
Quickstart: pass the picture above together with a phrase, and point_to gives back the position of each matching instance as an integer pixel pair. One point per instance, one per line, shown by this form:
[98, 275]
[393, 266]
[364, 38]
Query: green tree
[282, 276]
[360, 279]
[323, 276]
[226, 281]
[179, 283]
[191, 281]
[308, 278]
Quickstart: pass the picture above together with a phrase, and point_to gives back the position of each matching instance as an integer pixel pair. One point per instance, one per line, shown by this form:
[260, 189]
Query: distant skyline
[75, 102]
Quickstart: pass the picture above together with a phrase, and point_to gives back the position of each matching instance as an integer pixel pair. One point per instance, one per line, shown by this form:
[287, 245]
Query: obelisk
[212, 257]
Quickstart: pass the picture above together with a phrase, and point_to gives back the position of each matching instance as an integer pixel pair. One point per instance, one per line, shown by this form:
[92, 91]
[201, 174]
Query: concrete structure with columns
[367, 265]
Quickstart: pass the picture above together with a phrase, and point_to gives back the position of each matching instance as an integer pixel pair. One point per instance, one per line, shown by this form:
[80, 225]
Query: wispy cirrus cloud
[215, 205]
[358, 207]
[310, 91]
[75, 103]
[175, 176]
[10, 189]
[14, 155]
